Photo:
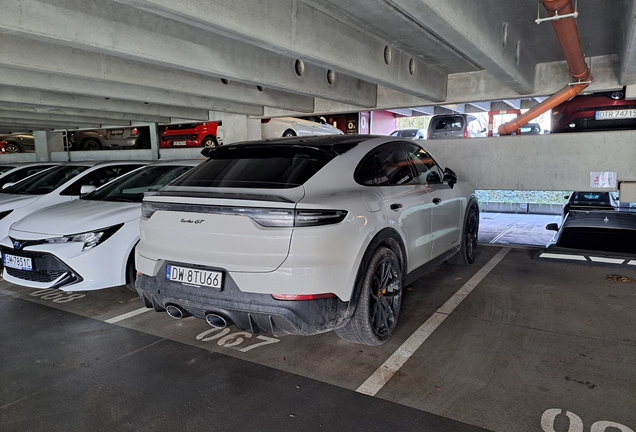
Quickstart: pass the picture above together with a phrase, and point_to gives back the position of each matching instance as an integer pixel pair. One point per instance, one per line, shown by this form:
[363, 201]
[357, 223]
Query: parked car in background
[290, 126]
[590, 201]
[62, 183]
[303, 236]
[602, 111]
[13, 173]
[190, 135]
[66, 245]
[414, 134]
[531, 129]
[103, 139]
[446, 126]
[17, 143]
[599, 231]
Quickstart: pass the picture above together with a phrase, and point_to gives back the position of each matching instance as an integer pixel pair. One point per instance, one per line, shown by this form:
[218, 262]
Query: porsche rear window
[258, 166]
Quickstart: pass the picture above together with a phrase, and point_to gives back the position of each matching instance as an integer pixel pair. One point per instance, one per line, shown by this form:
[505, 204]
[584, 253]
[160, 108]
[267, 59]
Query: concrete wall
[538, 162]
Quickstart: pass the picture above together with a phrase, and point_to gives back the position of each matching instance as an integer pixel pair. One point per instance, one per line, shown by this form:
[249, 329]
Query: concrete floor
[516, 229]
[532, 337]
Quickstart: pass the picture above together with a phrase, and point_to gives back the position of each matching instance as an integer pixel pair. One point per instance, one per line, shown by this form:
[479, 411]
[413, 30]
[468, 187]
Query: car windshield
[258, 166]
[46, 181]
[4, 169]
[589, 196]
[131, 187]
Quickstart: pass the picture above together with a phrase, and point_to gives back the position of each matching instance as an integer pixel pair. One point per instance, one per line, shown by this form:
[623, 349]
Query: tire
[378, 308]
[131, 272]
[289, 133]
[466, 253]
[209, 141]
[90, 144]
[143, 143]
[12, 148]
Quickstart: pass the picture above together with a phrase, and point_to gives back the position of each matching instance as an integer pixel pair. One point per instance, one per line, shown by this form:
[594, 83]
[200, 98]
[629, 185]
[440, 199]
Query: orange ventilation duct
[567, 33]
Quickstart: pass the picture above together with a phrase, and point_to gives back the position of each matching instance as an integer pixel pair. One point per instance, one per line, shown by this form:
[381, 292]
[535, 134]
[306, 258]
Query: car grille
[46, 268]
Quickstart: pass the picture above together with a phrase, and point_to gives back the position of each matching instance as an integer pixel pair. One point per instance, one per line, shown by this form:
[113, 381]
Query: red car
[603, 111]
[190, 135]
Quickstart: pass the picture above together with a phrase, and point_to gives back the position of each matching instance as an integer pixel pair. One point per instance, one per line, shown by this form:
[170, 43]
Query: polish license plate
[190, 276]
[615, 114]
[117, 132]
[18, 262]
[179, 143]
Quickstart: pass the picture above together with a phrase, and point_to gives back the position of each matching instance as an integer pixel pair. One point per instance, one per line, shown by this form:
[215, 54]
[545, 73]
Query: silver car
[455, 126]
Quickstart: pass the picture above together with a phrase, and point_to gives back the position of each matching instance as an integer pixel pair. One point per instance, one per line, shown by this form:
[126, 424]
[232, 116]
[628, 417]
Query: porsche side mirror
[552, 227]
[450, 177]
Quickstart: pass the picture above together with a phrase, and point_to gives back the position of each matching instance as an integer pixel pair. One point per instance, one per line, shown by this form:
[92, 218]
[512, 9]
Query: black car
[602, 231]
[590, 201]
[18, 143]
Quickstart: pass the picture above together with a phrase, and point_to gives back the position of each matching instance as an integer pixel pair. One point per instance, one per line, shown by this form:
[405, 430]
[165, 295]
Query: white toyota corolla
[59, 184]
[304, 235]
[85, 244]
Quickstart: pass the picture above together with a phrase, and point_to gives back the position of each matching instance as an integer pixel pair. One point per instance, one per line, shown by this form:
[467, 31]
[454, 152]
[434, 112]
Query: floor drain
[619, 278]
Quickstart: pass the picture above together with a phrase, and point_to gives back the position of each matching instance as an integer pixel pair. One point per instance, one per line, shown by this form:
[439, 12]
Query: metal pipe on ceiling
[567, 33]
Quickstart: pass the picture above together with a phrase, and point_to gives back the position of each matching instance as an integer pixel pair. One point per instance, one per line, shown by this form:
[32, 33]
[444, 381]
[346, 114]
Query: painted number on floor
[56, 295]
[230, 340]
[576, 424]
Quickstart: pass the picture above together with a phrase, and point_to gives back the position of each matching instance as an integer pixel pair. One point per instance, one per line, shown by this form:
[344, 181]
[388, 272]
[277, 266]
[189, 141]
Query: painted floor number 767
[229, 340]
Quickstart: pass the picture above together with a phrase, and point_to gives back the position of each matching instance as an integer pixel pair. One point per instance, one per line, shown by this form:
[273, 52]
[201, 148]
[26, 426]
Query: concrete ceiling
[84, 64]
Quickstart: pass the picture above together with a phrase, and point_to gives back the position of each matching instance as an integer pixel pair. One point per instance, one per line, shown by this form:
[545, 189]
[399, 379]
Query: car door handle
[396, 206]
[436, 201]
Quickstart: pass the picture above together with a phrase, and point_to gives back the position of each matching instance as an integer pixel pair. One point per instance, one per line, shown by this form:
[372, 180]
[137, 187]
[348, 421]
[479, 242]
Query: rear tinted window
[257, 166]
[451, 123]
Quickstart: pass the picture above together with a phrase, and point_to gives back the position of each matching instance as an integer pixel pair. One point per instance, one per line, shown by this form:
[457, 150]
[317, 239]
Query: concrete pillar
[154, 140]
[47, 142]
[238, 127]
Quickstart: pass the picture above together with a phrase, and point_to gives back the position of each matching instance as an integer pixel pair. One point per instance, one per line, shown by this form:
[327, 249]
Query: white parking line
[384, 373]
[128, 315]
[504, 232]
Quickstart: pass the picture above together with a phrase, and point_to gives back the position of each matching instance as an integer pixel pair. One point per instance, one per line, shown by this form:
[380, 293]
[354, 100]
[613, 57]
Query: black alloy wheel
[466, 253]
[378, 308]
[90, 144]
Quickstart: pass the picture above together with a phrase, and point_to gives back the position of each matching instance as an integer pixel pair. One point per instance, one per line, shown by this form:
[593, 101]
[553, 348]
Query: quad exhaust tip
[215, 320]
[175, 311]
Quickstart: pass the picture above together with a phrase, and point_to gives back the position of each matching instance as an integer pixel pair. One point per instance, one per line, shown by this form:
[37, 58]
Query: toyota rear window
[258, 166]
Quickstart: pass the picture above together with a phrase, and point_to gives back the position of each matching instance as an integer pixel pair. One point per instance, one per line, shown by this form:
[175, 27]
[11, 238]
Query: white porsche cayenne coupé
[85, 244]
[303, 235]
